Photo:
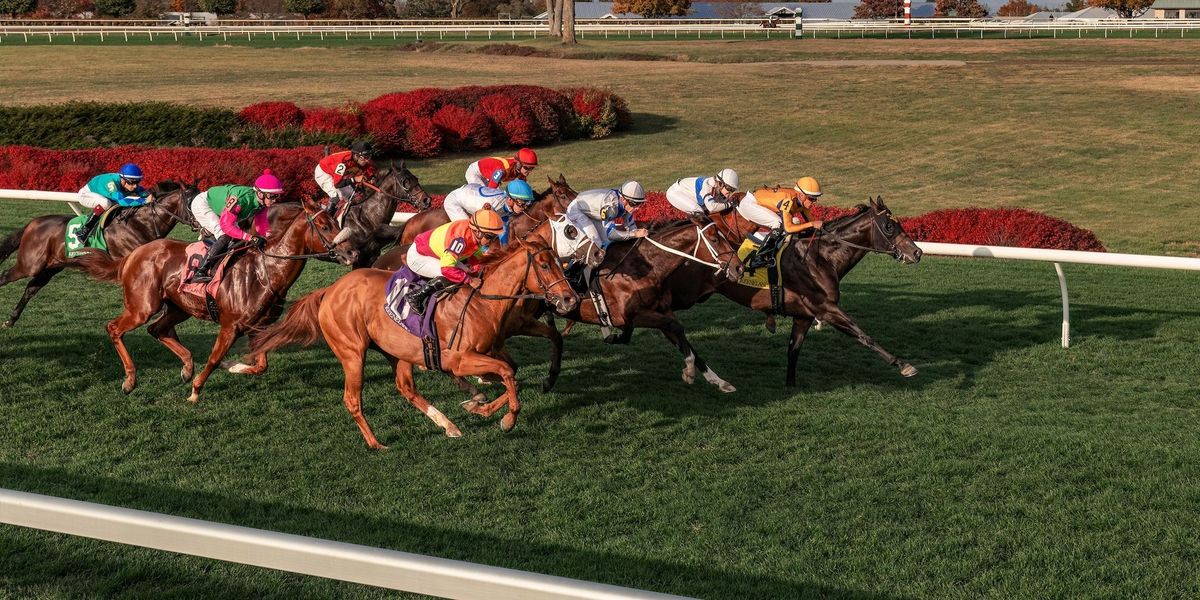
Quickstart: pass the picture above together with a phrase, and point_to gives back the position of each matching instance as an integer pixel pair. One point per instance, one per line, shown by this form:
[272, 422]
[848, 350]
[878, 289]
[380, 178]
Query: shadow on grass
[50, 564]
[650, 124]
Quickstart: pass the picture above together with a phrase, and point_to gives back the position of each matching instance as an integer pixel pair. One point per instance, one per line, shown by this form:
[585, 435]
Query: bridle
[407, 183]
[889, 230]
[530, 255]
[330, 247]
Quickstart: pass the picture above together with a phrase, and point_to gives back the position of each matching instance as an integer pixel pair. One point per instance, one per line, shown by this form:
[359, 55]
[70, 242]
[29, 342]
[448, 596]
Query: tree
[1018, 8]
[740, 10]
[567, 8]
[653, 9]
[307, 8]
[356, 9]
[1074, 5]
[879, 9]
[427, 9]
[554, 17]
[1126, 9]
[12, 8]
[114, 8]
[220, 7]
[967, 9]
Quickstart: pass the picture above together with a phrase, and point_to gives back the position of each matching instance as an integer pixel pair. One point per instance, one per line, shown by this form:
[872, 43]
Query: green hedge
[78, 125]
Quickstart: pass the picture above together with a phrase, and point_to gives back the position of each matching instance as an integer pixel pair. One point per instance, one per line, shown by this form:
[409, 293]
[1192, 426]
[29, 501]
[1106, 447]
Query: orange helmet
[809, 187]
[487, 220]
[527, 157]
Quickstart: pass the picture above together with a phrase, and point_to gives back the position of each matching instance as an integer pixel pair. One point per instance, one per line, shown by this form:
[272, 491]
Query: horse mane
[844, 219]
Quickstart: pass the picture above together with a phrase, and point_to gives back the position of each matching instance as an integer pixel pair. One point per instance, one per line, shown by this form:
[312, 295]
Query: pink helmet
[268, 183]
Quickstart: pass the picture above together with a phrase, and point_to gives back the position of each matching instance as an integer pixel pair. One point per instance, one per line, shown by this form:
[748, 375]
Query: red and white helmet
[527, 157]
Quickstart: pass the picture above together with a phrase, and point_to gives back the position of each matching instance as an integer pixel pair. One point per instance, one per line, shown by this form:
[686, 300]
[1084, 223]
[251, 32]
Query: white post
[907, 12]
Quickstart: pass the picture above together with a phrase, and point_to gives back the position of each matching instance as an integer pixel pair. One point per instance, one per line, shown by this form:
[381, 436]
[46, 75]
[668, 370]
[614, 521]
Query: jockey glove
[258, 242]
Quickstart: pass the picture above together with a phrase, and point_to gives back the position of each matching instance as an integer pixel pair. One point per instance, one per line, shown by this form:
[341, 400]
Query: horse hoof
[128, 386]
[240, 368]
[479, 398]
[453, 432]
[770, 324]
[185, 374]
[7, 324]
[908, 370]
[377, 447]
[689, 377]
[817, 324]
[726, 387]
[194, 398]
[508, 422]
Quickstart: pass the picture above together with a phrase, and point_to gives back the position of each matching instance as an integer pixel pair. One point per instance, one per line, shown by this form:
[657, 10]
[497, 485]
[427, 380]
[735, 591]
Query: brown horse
[633, 279]
[350, 316]
[812, 267]
[550, 202]
[372, 207]
[250, 297]
[41, 251]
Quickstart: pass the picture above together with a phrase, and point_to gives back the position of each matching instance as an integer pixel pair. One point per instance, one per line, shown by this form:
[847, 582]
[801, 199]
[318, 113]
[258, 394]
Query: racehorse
[632, 281]
[250, 297]
[370, 211]
[550, 202]
[41, 250]
[350, 316]
[812, 267]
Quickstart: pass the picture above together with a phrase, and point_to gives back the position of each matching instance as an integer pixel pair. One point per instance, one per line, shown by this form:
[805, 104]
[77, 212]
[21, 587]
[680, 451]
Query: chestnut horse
[41, 251]
[550, 202]
[350, 316]
[369, 217]
[812, 267]
[250, 297]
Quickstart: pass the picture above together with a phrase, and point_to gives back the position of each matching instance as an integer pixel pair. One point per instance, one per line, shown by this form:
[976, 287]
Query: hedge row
[424, 122]
[428, 121]
[27, 168]
[79, 125]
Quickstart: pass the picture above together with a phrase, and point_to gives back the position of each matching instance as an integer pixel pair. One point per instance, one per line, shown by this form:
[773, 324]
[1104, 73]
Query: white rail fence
[224, 30]
[931, 248]
[298, 554]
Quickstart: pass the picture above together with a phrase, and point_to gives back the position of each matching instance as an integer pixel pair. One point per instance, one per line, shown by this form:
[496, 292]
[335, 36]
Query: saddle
[95, 239]
[768, 277]
[586, 280]
[423, 326]
[208, 291]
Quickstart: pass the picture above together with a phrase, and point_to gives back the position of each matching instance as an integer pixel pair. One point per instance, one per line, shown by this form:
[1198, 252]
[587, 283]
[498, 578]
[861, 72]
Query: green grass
[1008, 467]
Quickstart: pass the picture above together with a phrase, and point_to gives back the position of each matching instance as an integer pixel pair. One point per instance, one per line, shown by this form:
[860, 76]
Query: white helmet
[633, 192]
[729, 177]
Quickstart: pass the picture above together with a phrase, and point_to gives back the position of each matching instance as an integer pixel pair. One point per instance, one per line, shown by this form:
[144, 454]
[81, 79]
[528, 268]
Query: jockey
[242, 208]
[594, 212]
[450, 253]
[494, 170]
[777, 213]
[698, 196]
[122, 187]
[338, 173]
[511, 201]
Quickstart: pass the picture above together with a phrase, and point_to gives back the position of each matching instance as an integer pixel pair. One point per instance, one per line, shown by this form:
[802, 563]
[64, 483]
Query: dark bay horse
[812, 268]
[550, 202]
[350, 316]
[254, 287]
[633, 278]
[374, 204]
[41, 251]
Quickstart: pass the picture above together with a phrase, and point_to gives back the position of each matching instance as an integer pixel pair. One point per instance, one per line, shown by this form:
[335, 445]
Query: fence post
[1066, 322]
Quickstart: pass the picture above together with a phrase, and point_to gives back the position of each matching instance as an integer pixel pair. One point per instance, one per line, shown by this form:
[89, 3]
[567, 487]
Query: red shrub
[272, 115]
[386, 128]
[463, 128]
[1000, 227]
[510, 123]
[420, 102]
[598, 112]
[421, 138]
[24, 167]
[331, 120]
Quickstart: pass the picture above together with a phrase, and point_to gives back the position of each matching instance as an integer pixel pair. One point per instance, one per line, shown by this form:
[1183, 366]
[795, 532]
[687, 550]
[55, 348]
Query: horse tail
[98, 265]
[11, 243]
[300, 326]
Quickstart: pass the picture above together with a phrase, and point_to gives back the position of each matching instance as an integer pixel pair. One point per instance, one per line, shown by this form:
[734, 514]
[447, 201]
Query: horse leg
[35, 285]
[800, 327]
[674, 332]
[477, 396]
[258, 368]
[474, 363]
[566, 330]
[225, 339]
[404, 383]
[834, 315]
[163, 329]
[350, 348]
[534, 328]
[136, 313]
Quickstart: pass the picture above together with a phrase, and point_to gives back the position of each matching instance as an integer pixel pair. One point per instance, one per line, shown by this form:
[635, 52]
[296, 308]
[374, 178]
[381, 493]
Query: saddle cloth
[95, 239]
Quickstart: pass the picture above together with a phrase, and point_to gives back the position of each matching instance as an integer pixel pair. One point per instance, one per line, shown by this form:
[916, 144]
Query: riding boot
[85, 231]
[203, 272]
[574, 275]
[334, 203]
[765, 257]
[419, 297]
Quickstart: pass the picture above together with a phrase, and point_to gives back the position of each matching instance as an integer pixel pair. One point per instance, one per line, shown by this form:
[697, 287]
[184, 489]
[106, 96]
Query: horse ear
[402, 167]
[561, 179]
[871, 201]
[551, 181]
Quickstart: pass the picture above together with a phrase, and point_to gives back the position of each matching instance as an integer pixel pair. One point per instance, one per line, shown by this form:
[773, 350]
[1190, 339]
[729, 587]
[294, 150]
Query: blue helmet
[130, 171]
[520, 191]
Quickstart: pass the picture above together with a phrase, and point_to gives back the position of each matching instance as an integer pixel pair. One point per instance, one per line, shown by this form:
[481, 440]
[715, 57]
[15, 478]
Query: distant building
[1175, 9]
[817, 11]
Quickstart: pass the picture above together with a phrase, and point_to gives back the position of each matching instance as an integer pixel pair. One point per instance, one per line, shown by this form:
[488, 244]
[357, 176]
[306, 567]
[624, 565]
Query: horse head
[545, 273]
[399, 182]
[562, 192]
[887, 235]
[324, 234]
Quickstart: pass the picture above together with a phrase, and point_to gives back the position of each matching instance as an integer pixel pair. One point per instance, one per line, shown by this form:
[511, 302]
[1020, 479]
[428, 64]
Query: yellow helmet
[486, 219]
[809, 187]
